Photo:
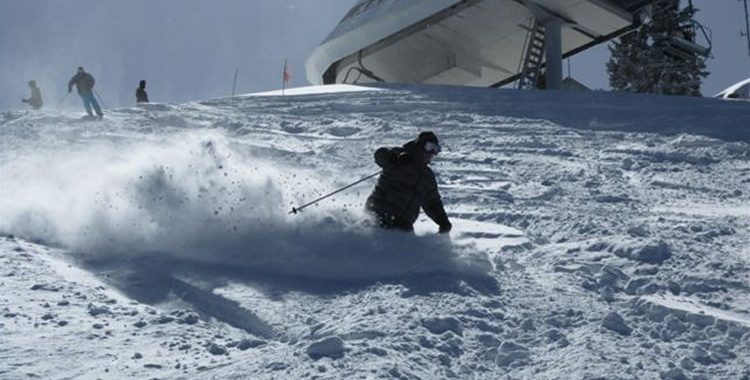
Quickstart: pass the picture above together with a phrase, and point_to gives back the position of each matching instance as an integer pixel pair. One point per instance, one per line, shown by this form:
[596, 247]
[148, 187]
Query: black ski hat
[427, 136]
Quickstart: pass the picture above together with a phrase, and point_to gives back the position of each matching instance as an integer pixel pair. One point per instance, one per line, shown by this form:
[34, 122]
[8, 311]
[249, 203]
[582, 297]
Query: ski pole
[100, 99]
[297, 209]
[61, 100]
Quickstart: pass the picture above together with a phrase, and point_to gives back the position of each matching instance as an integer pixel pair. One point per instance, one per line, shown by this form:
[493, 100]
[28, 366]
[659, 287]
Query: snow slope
[597, 235]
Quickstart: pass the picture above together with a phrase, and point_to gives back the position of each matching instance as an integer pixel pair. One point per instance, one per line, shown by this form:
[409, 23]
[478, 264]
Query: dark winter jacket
[405, 185]
[140, 95]
[84, 83]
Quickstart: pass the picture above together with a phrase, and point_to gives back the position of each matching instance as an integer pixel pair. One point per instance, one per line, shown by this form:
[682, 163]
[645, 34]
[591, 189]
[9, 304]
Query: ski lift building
[465, 42]
[739, 90]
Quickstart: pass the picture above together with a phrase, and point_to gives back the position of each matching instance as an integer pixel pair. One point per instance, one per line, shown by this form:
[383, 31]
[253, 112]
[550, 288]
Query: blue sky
[185, 49]
[188, 49]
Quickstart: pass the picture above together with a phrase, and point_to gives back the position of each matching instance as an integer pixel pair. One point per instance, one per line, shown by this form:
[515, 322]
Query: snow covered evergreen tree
[649, 60]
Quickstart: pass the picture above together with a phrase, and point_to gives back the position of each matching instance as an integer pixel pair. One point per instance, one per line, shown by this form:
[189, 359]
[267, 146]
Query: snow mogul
[406, 184]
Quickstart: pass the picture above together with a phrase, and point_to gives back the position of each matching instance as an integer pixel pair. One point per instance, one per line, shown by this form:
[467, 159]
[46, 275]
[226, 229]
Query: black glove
[445, 228]
[24, 100]
[69, 90]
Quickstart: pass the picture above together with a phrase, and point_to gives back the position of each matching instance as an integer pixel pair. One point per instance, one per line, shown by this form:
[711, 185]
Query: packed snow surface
[596, 236]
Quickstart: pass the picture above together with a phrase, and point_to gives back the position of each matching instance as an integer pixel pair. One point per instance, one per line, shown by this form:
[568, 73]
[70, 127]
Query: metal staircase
[532, 61]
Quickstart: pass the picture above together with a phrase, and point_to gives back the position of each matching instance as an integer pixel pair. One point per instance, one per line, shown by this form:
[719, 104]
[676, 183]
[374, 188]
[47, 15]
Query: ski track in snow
[596, 236]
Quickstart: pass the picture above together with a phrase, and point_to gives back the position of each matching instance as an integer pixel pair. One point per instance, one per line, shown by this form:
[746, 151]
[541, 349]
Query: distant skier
[140, 93]
[84, 83]
[35, 101]
[406, 184]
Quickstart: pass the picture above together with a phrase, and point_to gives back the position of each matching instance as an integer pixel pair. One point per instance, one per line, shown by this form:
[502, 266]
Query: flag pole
[283, 79]
[234, 82]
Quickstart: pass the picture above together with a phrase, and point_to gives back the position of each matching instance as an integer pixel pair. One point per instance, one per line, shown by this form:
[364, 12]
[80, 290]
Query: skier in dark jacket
[84, 83]
[140, 93]
[35, 101]
[407, 184]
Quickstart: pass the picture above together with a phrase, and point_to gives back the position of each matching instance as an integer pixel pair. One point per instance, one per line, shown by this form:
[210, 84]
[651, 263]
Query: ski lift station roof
[739, 90]
[459, 42]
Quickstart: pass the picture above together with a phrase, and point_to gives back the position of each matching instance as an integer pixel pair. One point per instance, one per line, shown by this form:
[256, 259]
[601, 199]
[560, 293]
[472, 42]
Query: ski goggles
[432, 148]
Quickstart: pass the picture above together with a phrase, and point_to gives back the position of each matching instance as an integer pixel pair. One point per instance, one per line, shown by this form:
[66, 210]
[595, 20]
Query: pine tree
[647, 61]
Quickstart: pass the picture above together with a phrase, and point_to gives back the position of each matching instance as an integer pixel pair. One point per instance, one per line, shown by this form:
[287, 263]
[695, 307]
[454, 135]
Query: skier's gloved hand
[445, 228]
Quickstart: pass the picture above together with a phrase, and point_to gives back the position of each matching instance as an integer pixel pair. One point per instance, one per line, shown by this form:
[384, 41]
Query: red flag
[287, 75]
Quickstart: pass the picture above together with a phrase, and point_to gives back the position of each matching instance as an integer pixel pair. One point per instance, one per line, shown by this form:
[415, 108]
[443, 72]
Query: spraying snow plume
[197, 196]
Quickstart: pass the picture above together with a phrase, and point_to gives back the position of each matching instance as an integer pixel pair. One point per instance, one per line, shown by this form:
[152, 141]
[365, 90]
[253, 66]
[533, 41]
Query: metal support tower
[553, 50]
[747, 28]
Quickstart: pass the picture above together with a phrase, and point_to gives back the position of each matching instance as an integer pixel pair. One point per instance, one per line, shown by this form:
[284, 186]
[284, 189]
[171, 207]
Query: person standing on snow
[140, 93]
[35, 101]
[84, 83]
[407, 184]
